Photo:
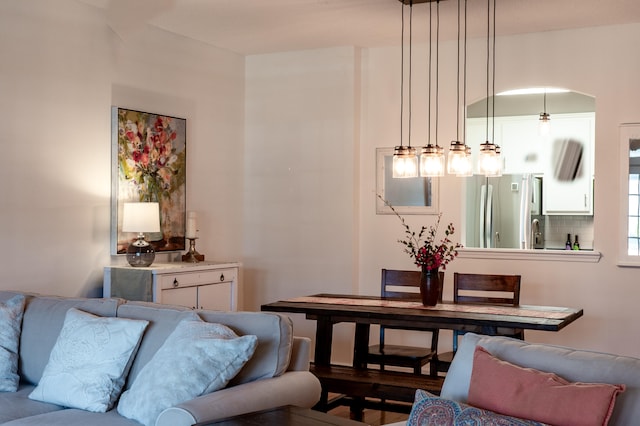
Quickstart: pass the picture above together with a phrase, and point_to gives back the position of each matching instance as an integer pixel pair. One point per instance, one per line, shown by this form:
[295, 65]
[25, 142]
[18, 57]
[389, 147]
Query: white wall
[62, 68]
[300, 214]
[594, 61]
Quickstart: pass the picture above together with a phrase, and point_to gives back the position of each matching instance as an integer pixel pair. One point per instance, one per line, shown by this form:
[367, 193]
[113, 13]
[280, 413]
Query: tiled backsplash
[556, 229]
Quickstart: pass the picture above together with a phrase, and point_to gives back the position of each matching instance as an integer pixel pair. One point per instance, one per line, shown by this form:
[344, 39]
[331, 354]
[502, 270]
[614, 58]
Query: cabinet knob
[175, 282]
[221, 277]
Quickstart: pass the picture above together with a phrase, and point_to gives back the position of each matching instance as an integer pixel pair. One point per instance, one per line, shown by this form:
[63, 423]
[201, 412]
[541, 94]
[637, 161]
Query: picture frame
[407, 195]
[148, 156]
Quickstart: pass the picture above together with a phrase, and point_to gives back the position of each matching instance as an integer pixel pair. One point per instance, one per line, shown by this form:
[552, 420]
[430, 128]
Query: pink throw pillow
[512, 390]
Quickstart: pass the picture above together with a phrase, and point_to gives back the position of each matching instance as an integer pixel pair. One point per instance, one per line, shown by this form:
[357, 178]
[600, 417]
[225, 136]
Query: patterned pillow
[197, 358]
[10, 325]
[430, 410]
[89, 363]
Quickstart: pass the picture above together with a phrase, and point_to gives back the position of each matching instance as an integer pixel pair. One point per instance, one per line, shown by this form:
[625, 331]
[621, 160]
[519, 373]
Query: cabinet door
[187, 296]
[570, 196]
[215, 297]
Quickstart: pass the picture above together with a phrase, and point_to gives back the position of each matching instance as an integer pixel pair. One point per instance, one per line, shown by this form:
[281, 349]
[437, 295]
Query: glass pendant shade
[457, 161]
[544, 123]
[497, 172]
[465, 168]
[405, 162]
[432, 161]
[489, 160]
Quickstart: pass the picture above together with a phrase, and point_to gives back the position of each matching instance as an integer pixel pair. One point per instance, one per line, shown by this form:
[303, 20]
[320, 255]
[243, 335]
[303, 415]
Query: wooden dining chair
[404, 285]
[482, 289]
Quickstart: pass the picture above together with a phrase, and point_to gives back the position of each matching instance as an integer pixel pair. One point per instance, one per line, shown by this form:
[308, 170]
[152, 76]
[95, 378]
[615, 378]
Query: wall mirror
[408, 195]
[546, 191]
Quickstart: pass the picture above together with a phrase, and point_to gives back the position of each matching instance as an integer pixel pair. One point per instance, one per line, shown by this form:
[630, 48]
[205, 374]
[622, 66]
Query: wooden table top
[376, 310]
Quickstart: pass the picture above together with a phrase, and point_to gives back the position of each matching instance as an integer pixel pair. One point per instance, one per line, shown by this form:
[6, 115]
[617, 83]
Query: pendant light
[432, 156]
[459, 158]
[405, 158]
[489, 159]
[544, 123]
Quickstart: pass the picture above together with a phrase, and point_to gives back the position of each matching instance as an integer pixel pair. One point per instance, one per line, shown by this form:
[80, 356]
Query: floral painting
[149, 164]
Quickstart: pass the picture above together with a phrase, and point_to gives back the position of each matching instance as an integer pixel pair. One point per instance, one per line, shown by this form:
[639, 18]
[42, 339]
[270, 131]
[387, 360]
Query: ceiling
[266, 26]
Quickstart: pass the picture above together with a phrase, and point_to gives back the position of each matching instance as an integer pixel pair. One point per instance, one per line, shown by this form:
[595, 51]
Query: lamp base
[140, 253]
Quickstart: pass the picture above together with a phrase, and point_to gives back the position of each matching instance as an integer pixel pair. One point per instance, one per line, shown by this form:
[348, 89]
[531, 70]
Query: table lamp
[140, 218]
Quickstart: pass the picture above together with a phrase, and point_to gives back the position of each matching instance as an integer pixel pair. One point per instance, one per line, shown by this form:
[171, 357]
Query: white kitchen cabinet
[575, 196]
[522, 148]
[203, 285]
[525, 151]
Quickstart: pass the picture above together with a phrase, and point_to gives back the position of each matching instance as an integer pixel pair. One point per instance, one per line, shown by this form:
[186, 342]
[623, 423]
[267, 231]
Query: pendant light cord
[488, 53]
[429, 83]
[493, 97]
[458, 81]
[410, 65]
[437, 63]
[464, 82]
[402, 78]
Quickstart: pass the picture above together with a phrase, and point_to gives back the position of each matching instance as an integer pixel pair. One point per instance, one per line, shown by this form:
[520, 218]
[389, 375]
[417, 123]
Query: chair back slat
[484, 288]
[405, 285]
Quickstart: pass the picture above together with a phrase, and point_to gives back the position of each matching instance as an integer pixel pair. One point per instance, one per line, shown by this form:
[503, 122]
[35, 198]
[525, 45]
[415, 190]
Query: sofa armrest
[300, 353]
[300, 388]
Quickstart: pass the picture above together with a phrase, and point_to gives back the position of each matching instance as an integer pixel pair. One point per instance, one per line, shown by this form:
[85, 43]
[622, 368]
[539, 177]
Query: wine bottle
[567, 245]
[576, 244]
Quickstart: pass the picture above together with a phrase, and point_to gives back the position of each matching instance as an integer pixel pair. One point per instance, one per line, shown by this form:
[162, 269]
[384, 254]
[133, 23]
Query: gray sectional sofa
[571, 364]
[276, 374]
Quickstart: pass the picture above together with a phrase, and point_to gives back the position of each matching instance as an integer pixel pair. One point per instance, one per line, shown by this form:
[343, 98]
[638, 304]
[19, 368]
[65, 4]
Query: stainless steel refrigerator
[507, 212]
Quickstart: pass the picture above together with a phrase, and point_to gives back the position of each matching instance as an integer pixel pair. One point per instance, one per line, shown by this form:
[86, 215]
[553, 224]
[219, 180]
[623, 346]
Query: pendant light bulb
[489, 161]
[405, 162]
[466, 164]
[544, 124]
[545, 119]
[432, 161]
[457, 159]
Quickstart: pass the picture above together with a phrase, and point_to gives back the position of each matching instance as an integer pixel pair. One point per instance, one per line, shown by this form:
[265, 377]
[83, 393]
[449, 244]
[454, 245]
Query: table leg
[361, 345]
[360, 350]
[324, 338]
[322, 355]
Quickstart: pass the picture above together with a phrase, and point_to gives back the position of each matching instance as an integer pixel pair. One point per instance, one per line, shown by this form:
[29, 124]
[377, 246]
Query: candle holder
[192, 255]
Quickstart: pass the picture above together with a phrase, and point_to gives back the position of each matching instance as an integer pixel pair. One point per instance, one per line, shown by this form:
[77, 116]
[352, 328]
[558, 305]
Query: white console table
[202, 285]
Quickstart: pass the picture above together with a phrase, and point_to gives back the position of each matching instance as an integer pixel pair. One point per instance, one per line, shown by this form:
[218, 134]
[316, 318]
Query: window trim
[627, 131]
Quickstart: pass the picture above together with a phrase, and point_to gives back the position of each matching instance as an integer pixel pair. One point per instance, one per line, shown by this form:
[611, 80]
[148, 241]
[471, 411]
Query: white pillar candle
[191, 225]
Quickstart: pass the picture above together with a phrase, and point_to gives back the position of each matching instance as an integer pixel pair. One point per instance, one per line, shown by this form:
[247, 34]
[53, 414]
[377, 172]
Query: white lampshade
[141, 217]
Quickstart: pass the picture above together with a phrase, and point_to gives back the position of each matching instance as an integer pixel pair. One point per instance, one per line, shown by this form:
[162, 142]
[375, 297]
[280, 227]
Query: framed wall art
[148, 153]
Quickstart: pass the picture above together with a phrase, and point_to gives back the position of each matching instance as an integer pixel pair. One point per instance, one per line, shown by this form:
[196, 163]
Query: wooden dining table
[330, 309]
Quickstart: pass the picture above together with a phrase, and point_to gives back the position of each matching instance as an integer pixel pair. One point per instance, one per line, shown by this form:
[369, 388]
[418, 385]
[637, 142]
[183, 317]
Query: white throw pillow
[11, 312]
[197, 358]
[90, 361]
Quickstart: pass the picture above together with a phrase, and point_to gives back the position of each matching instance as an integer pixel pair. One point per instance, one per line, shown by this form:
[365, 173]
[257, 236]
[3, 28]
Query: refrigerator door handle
[525, 212]
[486, 215]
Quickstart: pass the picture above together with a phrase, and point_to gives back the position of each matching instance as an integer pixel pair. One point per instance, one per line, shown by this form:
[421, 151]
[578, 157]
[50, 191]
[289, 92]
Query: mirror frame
[381, 189]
